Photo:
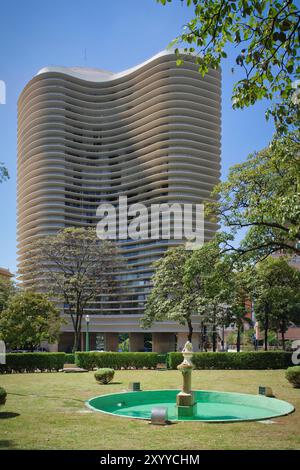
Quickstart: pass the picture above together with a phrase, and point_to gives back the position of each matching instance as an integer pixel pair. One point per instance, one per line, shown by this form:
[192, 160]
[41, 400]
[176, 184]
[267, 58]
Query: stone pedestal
[186, 404]
[185, 400]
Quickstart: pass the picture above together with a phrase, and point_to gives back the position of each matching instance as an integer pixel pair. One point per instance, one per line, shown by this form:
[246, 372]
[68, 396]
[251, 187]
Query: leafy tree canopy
[266, 36]
[7, 289]
[224, 291]
[262, 195]
[29, 319]
[171, 298]
[78, 267]
[276, 292]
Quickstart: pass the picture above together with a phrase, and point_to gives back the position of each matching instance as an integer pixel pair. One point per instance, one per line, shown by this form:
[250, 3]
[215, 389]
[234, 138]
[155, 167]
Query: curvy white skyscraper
[87, 136]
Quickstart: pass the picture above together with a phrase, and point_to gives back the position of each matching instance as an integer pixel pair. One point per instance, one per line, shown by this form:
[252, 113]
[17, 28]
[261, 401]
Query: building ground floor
[124, 333]
[113, 332]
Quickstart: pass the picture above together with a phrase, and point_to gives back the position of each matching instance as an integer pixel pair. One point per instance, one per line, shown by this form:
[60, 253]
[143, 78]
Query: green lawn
[47, 411]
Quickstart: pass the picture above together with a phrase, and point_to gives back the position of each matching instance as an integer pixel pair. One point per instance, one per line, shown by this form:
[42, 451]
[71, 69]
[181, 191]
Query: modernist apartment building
[87, 136]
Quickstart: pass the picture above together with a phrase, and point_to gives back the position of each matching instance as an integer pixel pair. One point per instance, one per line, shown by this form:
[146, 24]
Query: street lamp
[87, 336]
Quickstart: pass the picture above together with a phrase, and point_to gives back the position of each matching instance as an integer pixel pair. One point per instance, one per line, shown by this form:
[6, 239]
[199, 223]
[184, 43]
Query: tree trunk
[76, 341]
[283, 335]
[266, 332]
[204, 338]
[214, 338]
[190, 333]
[77, 329]
[223, 338]
[238, 339]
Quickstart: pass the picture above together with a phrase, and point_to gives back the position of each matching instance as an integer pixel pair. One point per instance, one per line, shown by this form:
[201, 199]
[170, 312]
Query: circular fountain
[188, 405]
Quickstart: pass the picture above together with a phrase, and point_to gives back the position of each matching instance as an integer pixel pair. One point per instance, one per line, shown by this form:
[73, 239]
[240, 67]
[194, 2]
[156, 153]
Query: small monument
[185, 400]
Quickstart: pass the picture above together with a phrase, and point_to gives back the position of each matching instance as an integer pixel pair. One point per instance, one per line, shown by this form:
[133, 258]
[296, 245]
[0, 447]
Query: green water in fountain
[212, 406]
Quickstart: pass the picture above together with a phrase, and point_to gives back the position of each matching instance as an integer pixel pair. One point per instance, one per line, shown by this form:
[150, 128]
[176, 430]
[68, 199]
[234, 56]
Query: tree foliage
[266, 36]
[224, 291]
[7, 289]
[171, 298]
[238, 297]
[276, 292]
[77, 267]
[199, 282]
[262, 195]
[206, 265]
[29, 319]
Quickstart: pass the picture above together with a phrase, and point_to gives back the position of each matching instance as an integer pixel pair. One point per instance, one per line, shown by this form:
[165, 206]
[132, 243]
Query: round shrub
[104, 376]
[2, 396]
[293, 376]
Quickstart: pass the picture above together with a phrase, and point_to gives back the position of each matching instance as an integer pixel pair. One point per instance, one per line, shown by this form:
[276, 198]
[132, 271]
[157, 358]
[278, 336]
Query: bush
[293, 376]
[2, 396]
[30, 362]
[116, 360]
[104, 376]
[241, 360]
[70, 359]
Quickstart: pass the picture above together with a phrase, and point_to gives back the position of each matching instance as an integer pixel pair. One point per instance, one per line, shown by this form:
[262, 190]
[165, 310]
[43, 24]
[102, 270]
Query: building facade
[88, 136]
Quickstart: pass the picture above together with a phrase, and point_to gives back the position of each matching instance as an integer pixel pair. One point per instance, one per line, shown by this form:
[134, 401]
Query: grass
[47, 411]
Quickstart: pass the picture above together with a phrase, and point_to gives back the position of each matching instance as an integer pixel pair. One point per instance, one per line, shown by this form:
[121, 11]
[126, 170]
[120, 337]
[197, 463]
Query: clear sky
[116, 35]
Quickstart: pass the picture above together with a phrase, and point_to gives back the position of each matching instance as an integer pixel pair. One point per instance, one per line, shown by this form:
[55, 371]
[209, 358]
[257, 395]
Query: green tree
[224, 291]
[211, 270]
[238, 293]
[276, 295]
[265, 34]
[29, 319]
[7, 289]
[286, 305]
[79, 267]
[262, 195]
[171, 298]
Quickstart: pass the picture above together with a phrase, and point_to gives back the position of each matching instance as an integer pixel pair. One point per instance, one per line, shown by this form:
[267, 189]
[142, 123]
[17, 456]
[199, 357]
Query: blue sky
[116, 34]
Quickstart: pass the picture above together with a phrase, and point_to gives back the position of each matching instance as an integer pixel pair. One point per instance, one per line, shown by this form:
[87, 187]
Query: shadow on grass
[8, 415]
[45, 396]
[113, 383]
[6, 444]
[167, 423]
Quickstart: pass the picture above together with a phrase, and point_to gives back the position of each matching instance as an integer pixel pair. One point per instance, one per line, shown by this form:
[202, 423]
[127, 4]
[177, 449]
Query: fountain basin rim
[236, 394]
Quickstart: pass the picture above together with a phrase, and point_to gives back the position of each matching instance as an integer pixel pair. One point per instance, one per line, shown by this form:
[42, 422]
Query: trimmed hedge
[3, 395]
[242, 360]
[70, 358]
[116, 360]
[293, 376]
[104, 376]
[162, 358]
[30, 362]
